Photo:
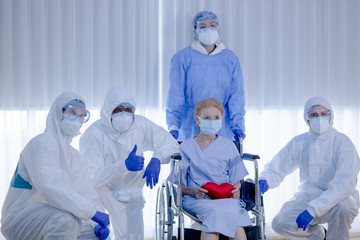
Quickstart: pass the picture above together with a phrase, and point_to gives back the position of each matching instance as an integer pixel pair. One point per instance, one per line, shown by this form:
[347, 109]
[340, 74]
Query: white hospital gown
[220, 163]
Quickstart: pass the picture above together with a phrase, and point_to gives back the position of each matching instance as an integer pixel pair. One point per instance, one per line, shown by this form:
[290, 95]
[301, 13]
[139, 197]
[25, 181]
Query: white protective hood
[54, 116]
[113, 98]
[318, 101]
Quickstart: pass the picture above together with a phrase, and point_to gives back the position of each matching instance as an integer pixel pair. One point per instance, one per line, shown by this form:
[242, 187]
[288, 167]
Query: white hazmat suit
[105, 149]
[50, 192]
[328, 165]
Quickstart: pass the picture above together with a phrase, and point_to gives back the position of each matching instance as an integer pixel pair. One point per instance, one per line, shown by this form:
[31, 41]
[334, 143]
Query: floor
[354, 232]
[271, 235]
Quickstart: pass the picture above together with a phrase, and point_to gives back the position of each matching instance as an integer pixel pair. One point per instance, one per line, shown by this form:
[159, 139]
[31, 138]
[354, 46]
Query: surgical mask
[210, 127]
[71, 128]
[122, 121]
[208, 36]
[319, 125]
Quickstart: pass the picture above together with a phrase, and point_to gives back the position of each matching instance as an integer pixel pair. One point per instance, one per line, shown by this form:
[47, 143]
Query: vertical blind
[289, 51]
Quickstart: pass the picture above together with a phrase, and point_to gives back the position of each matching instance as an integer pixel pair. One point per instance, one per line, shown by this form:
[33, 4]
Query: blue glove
[175, 133]
[101, 218]
[304, 219]
[152, 172]
[239, 134]
[101, 232]
[134, 162]
[264, 186]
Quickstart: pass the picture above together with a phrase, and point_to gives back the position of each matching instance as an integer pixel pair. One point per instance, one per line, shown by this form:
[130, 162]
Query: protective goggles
[124, 107]
[319, 114]
[202, 26]
[73, 112]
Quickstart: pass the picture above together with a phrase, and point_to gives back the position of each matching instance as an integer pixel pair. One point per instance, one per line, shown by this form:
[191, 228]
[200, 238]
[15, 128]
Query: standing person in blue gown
[212, 158]
[202, 70]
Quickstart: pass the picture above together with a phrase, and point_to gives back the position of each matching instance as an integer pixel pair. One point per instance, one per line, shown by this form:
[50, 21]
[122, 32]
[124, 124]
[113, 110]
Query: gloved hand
[152, 172]
[134, 162]
[263, 185]
[239, 134]
[101, 218]
[175, 133]
[101, 232]
[304, 219]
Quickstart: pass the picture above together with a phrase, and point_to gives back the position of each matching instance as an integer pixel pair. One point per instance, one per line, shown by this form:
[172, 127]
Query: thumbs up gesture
[134, 162]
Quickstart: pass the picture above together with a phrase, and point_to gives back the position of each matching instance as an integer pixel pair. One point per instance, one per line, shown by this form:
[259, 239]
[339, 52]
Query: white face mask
[319, 125]
[71, 128]
[122, 121]
[208, 36]
[210, 127]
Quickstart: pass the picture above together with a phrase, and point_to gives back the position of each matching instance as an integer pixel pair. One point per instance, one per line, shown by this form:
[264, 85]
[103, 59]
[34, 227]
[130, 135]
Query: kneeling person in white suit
[113, 147]
[50, 195]
[328, 165]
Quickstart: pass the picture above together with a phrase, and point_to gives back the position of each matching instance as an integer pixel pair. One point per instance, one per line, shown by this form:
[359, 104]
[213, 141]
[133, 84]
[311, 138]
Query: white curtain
[289, 51]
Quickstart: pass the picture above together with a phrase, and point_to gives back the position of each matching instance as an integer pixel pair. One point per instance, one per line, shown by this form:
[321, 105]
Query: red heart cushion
[217, 191]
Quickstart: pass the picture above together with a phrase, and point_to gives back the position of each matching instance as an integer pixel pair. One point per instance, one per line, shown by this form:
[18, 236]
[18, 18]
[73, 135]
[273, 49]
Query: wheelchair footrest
[252, 233]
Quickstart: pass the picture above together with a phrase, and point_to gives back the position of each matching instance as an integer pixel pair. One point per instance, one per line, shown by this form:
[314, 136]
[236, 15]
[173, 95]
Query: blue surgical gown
[220, 163]
[195, 76]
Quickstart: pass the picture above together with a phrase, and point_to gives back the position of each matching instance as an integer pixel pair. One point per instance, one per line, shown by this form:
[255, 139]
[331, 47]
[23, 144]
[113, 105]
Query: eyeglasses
[123, 109]
[73, 112]
[319, 114]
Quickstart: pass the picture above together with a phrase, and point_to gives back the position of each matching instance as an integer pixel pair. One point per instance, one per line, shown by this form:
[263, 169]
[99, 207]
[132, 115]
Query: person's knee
[70, 219]
[280, 223]
[66, 222]
[346, 212]
[276, 224]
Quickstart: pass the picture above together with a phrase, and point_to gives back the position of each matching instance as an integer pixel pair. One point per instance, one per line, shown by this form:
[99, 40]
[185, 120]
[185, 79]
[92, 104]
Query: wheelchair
[169, 205]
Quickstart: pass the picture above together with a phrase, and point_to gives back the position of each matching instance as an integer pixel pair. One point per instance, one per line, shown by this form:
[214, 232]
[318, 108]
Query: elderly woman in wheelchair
[211, 176]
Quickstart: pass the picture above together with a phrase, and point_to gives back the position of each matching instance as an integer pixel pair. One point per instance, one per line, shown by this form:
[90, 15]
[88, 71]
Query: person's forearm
[237, 185]
[187, 190]
[106, 174]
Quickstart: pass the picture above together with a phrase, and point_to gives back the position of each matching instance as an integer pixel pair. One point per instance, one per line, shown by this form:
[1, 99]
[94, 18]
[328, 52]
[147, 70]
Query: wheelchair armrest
[250, 157]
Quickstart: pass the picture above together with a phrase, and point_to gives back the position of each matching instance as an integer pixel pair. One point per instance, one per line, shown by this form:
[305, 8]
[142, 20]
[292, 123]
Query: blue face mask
[210, 127]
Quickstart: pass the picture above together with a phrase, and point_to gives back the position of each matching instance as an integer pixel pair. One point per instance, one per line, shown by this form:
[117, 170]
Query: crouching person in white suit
[329, 165]
[50, 195]
[113, 147]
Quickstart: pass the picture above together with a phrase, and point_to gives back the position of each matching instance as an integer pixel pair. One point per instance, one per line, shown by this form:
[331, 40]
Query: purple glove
[239, 134]
[263, 185]
[134, 162]
[101, 218]
[304, 219]
[152, 172]
[175, 133]
[101, 232]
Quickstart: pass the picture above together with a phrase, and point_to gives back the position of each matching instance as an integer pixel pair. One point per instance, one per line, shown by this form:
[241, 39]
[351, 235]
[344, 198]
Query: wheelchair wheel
[163, 215]
[160, 214]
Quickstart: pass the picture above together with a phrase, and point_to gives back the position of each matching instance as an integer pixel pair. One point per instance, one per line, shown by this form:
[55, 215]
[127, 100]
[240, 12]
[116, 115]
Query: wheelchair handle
[176, 156]
[250, 157]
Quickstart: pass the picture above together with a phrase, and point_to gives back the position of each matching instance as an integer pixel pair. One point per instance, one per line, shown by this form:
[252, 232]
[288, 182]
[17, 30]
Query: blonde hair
[209, 102]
